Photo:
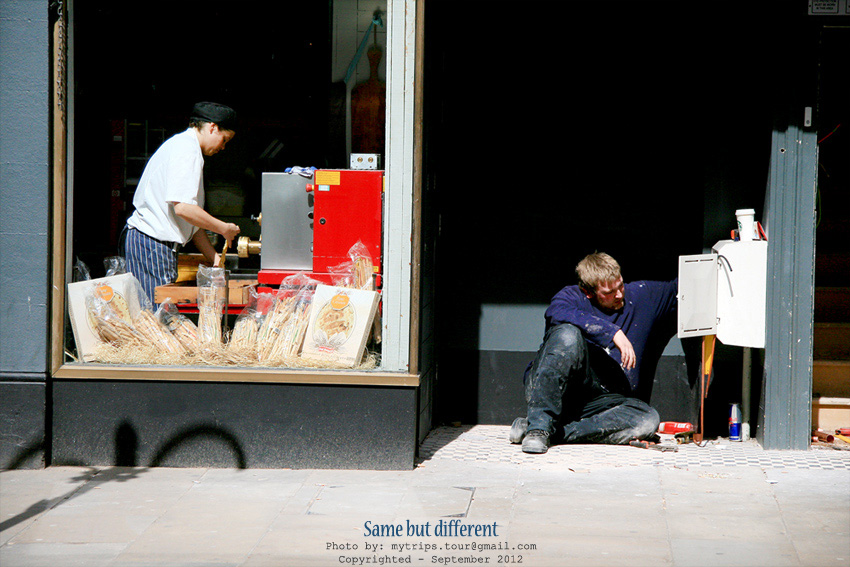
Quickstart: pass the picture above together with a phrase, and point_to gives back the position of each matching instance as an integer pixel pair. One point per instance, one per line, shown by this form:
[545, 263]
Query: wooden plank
[416, 237]
[57, 314]
[239, 292]
[187, 266]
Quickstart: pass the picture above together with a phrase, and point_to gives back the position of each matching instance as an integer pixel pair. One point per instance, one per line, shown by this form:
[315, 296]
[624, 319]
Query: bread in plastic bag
[247, 327]
[357, 272]
[111, 323]
[212, 288]
[282, 333]
[180, 326]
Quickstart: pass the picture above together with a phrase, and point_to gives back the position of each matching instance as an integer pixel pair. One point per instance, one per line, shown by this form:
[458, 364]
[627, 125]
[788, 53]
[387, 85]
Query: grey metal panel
[24, 185]
[697, 309]
[287, 226]
[790, 226]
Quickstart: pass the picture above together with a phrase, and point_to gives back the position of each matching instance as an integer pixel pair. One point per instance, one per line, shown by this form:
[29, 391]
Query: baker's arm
[203, 244]
[197, 216]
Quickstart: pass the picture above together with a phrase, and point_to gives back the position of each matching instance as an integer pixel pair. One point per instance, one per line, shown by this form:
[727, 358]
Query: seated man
[580, 387]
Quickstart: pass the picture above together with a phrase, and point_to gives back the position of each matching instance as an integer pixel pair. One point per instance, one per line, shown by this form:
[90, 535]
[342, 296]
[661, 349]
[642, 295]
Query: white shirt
[174, 174]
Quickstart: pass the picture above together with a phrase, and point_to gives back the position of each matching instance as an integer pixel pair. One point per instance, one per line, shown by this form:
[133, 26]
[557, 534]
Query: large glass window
[308, 82]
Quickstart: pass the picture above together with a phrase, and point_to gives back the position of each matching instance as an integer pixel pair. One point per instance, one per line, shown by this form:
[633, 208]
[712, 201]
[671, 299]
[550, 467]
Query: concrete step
[832, 305]
[831, 379]
[831, 341]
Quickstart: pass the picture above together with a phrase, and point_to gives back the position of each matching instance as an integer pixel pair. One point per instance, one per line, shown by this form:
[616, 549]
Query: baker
[169, 200]
[583, 385]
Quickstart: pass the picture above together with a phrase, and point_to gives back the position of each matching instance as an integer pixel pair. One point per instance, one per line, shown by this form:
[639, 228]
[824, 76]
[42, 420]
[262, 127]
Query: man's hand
[628, 358]
[230, 231]
[196, 216]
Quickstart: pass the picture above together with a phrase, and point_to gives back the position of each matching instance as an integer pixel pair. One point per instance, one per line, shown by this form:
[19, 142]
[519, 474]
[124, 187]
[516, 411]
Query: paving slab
[27, 496]
[59, 554]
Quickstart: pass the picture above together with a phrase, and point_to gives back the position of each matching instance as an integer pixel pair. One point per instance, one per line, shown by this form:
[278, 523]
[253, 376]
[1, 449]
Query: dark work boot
[518, 428]
[536, 441]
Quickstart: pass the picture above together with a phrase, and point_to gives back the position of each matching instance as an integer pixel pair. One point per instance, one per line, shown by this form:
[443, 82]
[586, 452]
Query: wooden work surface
[239, 292]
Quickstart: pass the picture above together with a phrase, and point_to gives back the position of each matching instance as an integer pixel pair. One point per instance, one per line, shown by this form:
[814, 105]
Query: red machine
[310, 224]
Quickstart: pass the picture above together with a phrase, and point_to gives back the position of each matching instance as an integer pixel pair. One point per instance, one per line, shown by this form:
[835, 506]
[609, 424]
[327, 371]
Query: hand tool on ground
[650, 445]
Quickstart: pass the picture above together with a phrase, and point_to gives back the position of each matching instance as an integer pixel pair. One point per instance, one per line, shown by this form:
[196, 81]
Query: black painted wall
[204, 424]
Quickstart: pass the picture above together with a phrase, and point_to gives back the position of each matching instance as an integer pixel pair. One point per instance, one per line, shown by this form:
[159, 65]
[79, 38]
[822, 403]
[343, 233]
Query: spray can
[673, 427]
[734, 422]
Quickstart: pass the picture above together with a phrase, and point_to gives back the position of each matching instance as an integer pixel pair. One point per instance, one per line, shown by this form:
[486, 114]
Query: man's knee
[646, 419]
[640, 422]
[650, 422]
[565, 339]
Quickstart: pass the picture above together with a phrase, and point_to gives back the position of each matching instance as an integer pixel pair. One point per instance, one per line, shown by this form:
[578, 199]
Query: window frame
[399, 365]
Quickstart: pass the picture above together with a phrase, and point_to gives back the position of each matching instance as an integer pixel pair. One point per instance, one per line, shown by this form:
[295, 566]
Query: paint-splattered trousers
[567, 399]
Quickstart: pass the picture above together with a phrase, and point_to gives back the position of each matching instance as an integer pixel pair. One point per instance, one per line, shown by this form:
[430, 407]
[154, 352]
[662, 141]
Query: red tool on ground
[673, 427]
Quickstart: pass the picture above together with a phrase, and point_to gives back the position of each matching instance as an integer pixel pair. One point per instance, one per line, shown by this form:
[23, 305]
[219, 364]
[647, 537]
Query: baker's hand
[230, 231]
[628, 358]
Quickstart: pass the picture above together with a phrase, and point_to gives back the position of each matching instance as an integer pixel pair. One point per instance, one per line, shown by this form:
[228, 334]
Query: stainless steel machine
[309, 224]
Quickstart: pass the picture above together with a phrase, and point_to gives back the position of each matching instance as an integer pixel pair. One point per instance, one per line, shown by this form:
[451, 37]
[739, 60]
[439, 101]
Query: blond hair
[595, 269]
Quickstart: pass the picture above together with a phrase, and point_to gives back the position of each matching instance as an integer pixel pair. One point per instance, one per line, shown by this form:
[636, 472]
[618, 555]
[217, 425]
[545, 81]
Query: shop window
[308, 82]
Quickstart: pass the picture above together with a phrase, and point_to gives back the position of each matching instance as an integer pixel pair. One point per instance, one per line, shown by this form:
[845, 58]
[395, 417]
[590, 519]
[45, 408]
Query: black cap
[222, 115]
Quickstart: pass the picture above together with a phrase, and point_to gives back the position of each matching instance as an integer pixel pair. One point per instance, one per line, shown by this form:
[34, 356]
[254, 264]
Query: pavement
[471, 499]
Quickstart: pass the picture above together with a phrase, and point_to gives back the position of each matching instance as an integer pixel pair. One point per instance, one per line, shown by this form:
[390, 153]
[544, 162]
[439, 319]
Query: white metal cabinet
[724, 293]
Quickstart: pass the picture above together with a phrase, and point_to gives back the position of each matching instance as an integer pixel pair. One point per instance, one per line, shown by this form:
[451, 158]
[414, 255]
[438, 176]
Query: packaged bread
[148, 325]
[283, 329]
[212, 288]
[247, 327]
[181, 327]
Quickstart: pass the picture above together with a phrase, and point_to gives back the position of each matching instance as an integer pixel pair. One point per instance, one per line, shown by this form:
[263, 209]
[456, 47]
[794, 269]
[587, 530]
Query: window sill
[93, 371]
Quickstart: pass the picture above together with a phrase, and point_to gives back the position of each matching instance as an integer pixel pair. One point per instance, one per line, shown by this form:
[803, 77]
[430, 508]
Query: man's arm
[203, 244]
[571, 306]
[196, 216]
[628, 358]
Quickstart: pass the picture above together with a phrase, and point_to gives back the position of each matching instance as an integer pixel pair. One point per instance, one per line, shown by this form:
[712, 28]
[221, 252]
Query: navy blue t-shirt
[645, 302]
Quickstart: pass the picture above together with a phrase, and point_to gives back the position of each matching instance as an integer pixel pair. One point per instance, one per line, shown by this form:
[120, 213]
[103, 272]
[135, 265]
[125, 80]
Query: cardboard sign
[339, 326]
[121, 292]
